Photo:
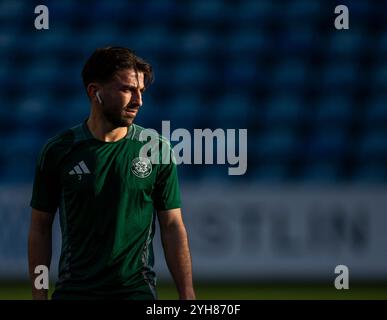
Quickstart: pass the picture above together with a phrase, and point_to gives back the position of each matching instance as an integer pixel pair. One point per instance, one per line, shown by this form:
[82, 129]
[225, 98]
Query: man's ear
[92, 89]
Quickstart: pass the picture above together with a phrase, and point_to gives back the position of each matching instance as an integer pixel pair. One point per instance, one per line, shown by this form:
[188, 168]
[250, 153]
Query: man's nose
[137, 98]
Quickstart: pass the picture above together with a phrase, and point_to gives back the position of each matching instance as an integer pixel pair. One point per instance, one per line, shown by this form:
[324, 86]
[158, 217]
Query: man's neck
[103, 130]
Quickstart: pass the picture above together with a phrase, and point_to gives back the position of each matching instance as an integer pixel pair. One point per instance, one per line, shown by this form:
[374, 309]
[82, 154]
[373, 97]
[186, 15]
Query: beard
[116, 118]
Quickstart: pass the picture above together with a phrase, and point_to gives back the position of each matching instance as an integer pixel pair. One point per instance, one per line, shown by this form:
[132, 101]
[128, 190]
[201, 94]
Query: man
[107, 194]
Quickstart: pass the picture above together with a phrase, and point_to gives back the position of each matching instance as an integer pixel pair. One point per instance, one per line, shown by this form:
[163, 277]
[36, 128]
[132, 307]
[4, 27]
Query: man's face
[122, 97]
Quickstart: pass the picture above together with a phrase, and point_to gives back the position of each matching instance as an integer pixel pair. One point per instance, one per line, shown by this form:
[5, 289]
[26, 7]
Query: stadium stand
[312, 99]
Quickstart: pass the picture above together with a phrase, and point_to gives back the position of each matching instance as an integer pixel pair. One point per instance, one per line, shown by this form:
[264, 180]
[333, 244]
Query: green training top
[107, 196]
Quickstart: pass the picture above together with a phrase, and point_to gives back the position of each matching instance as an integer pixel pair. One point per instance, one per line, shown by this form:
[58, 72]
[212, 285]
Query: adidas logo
[80, 168]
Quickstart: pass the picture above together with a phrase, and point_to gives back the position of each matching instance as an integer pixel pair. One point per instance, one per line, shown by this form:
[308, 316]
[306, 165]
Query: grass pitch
[232, 291]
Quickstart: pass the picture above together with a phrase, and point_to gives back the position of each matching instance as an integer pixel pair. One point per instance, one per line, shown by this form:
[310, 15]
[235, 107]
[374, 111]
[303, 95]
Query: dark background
[312, 98]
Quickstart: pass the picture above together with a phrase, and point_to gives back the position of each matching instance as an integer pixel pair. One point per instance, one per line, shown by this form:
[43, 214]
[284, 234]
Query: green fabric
[107, 210]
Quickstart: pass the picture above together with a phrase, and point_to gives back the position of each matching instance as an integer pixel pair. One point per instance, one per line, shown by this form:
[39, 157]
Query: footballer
[108, 196]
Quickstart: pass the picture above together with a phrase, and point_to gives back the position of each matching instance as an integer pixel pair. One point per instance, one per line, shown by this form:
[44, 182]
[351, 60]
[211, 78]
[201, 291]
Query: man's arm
[39, 247]
[176, 249]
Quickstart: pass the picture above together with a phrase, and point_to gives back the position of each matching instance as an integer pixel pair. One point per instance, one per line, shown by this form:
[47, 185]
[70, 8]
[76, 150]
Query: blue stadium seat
[373, 145]
[160, 11]
[9, 35]
[296, 41]
[208, 11]
[19, 152]
[321, 172]
[379, 76]
[254, 12]
[284, 109]
[5, 70]
[333, 110]
[376, 111]
[63, 6]
[327, 144]
[12, 9]
[190, 172]
[339, 74]
[60, 114]
[43, 43]
[189, 74]
[231, 111]
[244, 41]
[112, 9]
[151, 113]
[41, 72]
[242, 74]
[381, 50]
[194, 42]
[302, 10]
[346, 44]
[289, 74]
[275, 144]
[8, 120]
[98, 36]
[31, 108]
[363, 9]
[149, 39]
[184, 111]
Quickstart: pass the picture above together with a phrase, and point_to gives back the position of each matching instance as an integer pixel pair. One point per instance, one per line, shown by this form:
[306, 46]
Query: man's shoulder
[64, 137]
[67, 137]
[58, 145]
[143, 135]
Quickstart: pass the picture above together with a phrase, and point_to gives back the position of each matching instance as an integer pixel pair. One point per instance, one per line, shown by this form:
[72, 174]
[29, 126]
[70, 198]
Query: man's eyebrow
[131, 86]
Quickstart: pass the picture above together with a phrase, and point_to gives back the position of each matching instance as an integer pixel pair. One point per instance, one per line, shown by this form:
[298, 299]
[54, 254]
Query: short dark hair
[105, 62]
